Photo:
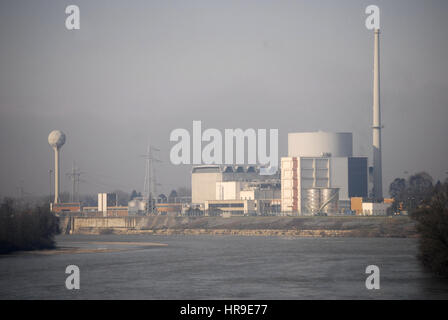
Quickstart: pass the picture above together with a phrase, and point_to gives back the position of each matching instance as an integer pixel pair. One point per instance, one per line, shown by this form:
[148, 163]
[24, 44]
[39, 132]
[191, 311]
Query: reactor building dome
[320, 144]
[56, 139]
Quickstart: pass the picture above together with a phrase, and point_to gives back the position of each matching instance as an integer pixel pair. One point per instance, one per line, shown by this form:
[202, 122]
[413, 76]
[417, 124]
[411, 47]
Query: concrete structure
[375, 208]
[169, 208]
[106, 200]
[203, 183]
[321, 160]
[350, 175]
[260, 194]
[116, 211]
[320, 144]
[56, 139]
[228, 190]
[234, 207]
[66, 207]
[205, 177]
[377, 166]
[301, 175]
[267, 198]
[362, 208]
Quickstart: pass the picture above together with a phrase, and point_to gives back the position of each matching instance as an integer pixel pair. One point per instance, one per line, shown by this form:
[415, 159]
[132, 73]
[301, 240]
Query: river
[219, 267]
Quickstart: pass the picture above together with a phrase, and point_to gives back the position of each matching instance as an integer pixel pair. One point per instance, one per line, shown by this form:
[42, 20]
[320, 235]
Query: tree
[183, 192]
[172, 197]
[420, 183]
[413, 193]
[26, 229]
[162, 198]
[419, 190]
[432, 224]
[397, 187]
[122, 197]
[133, 195]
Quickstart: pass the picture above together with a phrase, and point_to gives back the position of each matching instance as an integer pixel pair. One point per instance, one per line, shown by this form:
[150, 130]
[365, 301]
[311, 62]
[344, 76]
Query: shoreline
[373, 227]
[321, 233]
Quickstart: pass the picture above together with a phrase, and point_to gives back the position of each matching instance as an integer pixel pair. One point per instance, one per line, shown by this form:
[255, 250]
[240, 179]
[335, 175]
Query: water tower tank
[56, 139]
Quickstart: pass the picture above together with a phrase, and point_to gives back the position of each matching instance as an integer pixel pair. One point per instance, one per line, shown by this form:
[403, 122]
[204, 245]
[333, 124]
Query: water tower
[56, 139]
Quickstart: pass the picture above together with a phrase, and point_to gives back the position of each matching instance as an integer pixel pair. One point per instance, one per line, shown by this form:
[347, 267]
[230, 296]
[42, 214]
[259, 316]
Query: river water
[219, 267]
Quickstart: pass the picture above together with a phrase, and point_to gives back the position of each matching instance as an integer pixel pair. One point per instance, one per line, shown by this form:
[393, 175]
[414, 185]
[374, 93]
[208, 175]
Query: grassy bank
[26, 229]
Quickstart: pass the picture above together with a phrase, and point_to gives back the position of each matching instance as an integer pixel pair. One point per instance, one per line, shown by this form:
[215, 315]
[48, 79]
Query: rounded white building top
[56, 138]
[320, 144]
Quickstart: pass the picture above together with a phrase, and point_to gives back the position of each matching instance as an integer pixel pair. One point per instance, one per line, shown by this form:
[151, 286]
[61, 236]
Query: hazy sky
[138, 69]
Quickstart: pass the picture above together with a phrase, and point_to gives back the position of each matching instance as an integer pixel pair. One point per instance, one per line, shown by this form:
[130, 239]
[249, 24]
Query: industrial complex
[319, 176]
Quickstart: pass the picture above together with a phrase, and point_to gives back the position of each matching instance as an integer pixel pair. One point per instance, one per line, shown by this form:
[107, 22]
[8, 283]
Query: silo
[132, 207]
[141, 205]
[329, 200]
[311, 202]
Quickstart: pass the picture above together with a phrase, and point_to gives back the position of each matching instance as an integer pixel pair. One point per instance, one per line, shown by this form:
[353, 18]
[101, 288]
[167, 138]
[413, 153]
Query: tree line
[427, 204]
[23, 228]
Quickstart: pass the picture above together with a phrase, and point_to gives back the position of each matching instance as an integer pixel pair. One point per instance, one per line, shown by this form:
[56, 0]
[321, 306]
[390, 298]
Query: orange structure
[356, 205]
[66, 207]
[164, 208]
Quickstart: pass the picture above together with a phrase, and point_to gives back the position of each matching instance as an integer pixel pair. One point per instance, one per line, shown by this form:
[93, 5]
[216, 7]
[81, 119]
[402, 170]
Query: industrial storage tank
[311, 201]
[329, 198]
[141, 205]
[136, 206]
[320, 143]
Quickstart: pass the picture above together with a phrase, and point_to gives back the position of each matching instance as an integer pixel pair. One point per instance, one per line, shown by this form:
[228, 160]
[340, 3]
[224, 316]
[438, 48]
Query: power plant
[56, 139]
[319, 176]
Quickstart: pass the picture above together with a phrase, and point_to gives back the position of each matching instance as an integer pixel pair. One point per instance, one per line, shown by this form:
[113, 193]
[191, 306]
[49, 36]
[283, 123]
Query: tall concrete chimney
[377, 171]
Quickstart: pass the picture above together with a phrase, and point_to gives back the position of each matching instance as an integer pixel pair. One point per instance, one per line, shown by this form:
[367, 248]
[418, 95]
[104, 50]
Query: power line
[75, 178]
[149, 185]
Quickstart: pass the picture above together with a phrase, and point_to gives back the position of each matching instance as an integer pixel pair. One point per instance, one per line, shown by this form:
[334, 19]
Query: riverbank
[26, 228]
[401, 227]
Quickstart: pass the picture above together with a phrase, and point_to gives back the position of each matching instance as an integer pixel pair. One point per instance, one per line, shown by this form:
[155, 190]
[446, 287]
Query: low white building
[375, 208]
[227, 190]
[233, 207]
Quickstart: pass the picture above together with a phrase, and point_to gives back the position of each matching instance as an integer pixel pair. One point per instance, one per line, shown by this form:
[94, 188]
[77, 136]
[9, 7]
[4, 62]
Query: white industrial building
[216, 182]
[320, 172]
[235, 190]
[375, 208]
[227, 190]
[230, 207]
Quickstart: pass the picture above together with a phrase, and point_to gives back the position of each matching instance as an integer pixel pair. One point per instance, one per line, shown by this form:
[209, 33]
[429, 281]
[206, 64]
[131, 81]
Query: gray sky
[138, 69]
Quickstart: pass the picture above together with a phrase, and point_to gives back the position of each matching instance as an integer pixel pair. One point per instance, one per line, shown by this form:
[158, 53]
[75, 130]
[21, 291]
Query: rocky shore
[402, 227]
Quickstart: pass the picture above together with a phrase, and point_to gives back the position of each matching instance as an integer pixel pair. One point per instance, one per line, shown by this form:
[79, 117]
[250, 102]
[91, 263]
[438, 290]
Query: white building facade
[318, 162]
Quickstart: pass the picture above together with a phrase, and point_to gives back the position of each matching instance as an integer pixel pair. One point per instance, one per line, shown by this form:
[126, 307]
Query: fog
[136, 70]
